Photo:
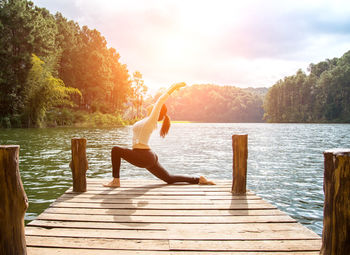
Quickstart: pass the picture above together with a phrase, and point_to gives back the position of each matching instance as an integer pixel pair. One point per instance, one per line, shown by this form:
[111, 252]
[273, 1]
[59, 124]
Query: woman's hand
[179, 85]
[176, 86]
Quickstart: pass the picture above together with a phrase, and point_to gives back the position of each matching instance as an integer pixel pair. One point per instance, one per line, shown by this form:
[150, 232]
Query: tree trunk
[336, 214]
[13, 203]
[240, 156]
[79, 164]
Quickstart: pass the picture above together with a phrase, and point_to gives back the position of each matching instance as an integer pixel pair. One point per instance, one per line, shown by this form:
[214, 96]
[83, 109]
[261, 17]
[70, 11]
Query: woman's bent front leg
[117, 154]
[137, 157]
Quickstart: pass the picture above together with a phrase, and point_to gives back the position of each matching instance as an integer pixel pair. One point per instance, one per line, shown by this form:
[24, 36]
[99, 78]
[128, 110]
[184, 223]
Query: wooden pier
[149, 217]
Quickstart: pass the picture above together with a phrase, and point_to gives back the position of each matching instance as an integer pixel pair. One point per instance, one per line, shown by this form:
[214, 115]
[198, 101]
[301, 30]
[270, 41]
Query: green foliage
[98, 119]
[67, 117]
[16, 46]
[74, 56]
[43, 92]
[87, 64]
[211, 103]
[321, 96]
[60, 117]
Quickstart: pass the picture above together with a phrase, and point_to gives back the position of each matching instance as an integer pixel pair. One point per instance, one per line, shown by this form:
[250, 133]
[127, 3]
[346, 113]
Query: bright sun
[175, 49]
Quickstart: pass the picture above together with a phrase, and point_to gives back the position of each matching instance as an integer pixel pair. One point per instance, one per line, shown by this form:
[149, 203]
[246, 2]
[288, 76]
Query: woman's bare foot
[115, 183]
[204, 181]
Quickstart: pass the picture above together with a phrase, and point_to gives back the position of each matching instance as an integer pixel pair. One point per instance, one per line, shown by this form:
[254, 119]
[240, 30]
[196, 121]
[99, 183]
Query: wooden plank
[153, 181]
[185, 232]
[95, 225]
[185, 197]
[160, 212]
[165, 187]
[112, 200]
[148, 217]
[98, 233]
[266, 245]
[160, 226]
[97, 243]
[80, 251]
[257, 231]
[227, 196]
[156, 193]
[185, 229]
[135, 244]
[168, 219]
[227, 206]
[150, 193]
[144, 226]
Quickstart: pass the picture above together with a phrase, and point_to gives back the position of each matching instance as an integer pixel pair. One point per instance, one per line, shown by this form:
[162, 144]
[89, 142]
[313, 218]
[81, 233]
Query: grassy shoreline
[67, 118]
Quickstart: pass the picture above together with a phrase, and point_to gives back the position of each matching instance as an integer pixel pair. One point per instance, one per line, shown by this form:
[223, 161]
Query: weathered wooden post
[336, 212]
[79, 164]
[13, 202]
[240, 156]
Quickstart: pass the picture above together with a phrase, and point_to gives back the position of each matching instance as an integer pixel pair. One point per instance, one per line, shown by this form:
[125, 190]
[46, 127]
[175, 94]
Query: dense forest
[212, 103]
[50, 64]
[321, 96]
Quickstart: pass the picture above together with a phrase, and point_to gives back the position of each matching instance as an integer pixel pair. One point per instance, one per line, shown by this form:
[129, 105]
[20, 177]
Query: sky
[246, 43]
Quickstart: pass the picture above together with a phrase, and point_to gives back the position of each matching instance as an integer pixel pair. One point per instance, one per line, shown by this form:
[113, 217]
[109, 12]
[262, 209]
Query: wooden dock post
[79, 164]
[336, 212]
[240, 156]
[13, 202]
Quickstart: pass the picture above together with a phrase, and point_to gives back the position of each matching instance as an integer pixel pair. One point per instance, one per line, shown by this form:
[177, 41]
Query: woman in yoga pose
[141, 154]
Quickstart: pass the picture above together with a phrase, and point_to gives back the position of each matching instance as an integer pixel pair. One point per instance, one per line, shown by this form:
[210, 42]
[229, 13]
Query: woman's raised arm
[175, 87]
[162, 99]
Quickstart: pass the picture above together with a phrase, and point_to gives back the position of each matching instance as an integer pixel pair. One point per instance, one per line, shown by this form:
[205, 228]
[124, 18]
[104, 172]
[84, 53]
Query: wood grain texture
[266, 245]
[336, 216]
[80, 251]
[160, 212]
[150, 205]
[13, 202]
[79, 164]
[239, 165]
[168, 219]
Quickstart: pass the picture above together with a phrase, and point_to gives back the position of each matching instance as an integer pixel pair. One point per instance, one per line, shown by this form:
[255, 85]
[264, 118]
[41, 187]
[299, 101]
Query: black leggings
[145, 158]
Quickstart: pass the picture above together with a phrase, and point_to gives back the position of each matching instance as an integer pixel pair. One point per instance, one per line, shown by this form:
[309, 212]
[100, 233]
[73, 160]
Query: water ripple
[285, 162]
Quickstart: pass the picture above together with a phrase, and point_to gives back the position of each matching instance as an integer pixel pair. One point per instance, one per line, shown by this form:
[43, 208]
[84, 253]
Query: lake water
[285, 161]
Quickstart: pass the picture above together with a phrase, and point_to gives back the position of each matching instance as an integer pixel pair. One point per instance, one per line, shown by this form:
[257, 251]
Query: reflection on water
[285, 161]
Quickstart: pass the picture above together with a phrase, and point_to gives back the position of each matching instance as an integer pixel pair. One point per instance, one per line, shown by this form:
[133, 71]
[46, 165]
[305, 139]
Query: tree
[24, 29]
[16, 46]
[43, 92]
[87, 64]
[77, 56]
[121, 84]
[321, 96]
[139, 92]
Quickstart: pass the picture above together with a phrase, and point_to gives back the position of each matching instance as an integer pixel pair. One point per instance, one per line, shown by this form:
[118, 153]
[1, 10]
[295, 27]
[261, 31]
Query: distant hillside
[212, 103]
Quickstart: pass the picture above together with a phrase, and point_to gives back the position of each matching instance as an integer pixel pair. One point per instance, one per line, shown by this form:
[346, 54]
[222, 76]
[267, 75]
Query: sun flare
[175, 49]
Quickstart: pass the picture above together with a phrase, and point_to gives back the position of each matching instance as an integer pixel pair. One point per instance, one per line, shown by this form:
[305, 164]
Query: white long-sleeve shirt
[143, 129]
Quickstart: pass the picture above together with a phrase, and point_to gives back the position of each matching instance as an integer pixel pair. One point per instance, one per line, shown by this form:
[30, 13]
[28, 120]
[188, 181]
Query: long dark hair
[166, 121]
